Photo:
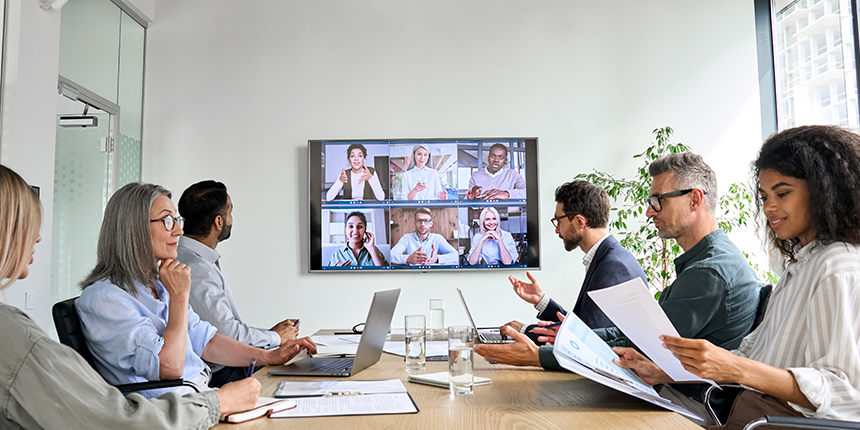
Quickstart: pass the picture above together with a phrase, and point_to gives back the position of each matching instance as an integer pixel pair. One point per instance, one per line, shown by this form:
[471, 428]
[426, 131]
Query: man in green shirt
[715, 293]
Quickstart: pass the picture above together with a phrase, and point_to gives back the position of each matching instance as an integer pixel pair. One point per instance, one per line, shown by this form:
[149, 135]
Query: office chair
[69, 332]
[769, 420]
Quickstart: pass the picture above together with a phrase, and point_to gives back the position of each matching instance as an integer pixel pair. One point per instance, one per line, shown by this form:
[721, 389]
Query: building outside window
[814, 63]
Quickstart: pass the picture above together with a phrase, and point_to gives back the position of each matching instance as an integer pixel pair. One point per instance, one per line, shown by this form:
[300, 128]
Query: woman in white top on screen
[421, 182]
[804, 358]
[492, 245]
[360, 182]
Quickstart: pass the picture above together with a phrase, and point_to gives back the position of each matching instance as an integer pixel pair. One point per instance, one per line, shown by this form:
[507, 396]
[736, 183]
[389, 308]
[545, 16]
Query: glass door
[84, 178]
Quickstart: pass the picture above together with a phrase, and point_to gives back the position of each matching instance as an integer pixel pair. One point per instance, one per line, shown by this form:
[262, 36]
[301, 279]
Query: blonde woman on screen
[422, 181]
[36, 398]
[492, 245]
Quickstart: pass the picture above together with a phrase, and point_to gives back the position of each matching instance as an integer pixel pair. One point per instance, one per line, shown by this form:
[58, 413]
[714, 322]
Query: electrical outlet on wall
[29, 300]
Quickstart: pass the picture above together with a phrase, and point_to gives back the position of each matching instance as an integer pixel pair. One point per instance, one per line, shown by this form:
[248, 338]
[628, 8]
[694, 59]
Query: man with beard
[495, 182]
[208, 213]
[715, 293]
[423, 247]
[581, 219]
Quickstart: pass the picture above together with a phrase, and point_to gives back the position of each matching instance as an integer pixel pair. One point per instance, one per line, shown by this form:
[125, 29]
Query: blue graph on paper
[579, 343]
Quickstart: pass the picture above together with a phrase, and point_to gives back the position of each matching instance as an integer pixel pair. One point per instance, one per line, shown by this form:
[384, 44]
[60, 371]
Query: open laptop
[483, 337]
[369, 348]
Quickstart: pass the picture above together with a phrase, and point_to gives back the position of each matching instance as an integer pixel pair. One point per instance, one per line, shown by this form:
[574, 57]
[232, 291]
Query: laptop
[483, 337]
[369, 348]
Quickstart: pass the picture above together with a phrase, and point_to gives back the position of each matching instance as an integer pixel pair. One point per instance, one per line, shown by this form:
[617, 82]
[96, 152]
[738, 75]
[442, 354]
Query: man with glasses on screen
[423, 247]
[715, 293]
[495, 182]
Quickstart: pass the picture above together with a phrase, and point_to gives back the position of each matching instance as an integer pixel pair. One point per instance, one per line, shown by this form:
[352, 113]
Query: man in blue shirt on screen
[423, 247]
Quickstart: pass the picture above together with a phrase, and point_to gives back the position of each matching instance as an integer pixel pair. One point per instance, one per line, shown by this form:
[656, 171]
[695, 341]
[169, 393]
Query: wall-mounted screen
[423, 204]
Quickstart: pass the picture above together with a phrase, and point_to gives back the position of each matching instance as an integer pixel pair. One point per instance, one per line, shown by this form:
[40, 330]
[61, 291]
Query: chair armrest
[801, 422]
[152, 385]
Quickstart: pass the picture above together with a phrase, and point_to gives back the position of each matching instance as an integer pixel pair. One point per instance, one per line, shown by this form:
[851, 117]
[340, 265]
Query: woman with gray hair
[134, 307]
[49, 385]
[492, 245]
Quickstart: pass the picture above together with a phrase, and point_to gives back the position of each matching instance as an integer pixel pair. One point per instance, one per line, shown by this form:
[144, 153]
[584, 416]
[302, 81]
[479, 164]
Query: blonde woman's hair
[484, 213]
[20, 219]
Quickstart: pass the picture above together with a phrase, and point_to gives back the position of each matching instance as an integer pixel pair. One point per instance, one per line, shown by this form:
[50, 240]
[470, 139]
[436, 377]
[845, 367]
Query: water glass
[416, 346]
[437, 316]
[461, 359]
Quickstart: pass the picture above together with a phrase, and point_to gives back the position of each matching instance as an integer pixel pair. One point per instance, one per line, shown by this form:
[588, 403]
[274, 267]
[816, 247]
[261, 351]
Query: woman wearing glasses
[48, 385]
[134, 307]
[492, 245]
[804, 358]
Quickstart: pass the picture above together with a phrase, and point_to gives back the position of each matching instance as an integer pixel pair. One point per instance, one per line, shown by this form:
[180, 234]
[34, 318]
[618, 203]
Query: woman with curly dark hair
[804, 357]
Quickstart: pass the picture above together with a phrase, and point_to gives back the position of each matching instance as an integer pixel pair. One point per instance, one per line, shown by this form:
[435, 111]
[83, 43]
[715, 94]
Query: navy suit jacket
[612, 264]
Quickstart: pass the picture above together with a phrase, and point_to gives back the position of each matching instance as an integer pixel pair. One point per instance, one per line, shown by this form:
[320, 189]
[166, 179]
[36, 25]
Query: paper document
[288, 389]
[434, 348]
[336, 350]
[346, 339]
[579, 350]
[347, 398]
[640, 317]
[441, 379]
[375, 404]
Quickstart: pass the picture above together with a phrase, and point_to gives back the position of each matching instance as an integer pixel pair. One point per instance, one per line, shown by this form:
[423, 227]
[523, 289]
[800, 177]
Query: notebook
[482, 337]
[369, 348]
[265, 407]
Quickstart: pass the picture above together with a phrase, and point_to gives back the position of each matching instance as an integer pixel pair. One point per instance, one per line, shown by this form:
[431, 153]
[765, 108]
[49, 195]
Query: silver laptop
[369, 348]
[483, 337]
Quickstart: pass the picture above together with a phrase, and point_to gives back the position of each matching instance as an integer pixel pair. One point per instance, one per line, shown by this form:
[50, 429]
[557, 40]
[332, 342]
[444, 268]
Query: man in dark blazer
[581, 219]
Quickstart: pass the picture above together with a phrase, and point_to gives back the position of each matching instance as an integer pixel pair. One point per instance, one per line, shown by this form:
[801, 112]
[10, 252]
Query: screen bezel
[315, 178]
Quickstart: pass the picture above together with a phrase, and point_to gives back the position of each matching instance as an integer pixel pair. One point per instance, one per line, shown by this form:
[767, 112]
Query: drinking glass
[416, 345]
[437, 317]
[461, 359]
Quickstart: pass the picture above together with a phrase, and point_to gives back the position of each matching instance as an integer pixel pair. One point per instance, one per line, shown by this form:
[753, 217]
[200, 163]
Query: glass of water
[416, 346]
[461, 359]
[437, 318]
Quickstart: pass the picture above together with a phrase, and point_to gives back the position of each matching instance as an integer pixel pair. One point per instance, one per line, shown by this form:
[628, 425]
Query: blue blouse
[124, 334]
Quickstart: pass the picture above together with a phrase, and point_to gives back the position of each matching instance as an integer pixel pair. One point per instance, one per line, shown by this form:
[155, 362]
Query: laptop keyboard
[340, 364]
[492, 337]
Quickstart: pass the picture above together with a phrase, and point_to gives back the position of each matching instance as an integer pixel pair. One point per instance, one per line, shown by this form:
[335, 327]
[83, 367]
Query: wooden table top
[518, 398]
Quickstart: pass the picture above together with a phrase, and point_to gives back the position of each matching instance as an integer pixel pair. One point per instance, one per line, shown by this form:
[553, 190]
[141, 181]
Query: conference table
[518, 398]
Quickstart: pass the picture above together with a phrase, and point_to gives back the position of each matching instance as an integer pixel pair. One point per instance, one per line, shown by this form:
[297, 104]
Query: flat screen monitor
[423, 204]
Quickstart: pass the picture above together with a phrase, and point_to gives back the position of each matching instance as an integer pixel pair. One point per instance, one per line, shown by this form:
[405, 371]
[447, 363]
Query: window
[808, 48]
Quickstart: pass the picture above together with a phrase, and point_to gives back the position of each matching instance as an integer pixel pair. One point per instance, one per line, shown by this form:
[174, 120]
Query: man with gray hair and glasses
[715, 293]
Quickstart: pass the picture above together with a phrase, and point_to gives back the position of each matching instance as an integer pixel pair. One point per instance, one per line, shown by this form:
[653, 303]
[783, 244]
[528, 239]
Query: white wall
[29, 131]
[235, 89]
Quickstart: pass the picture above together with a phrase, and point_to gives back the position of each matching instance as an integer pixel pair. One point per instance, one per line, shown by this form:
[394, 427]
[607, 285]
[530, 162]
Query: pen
[296, 323]
[552, 325]
[251, 367]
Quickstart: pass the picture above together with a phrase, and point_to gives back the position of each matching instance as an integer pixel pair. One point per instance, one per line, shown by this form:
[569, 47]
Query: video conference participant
[803, 359]
[134, 307]
[421, 182]
[360, 248]
[581, 219]
[360, 182]
[423, 247]
[495, 181]
[492, 245]
[208, 213]
[47, 385]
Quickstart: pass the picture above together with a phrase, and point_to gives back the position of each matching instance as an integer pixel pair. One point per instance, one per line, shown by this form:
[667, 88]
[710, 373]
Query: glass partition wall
[101, 86]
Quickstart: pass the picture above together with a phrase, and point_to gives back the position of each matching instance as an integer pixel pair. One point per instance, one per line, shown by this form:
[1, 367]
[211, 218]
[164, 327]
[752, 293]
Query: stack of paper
[441, 380]
[337, 398]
